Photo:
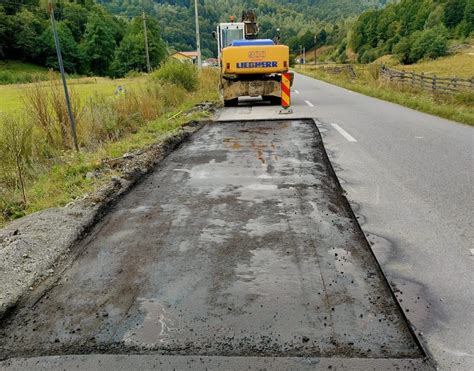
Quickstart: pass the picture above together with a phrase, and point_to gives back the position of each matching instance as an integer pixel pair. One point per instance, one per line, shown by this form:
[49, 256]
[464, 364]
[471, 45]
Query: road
[409, 177]
[240, 244]
[240, 250]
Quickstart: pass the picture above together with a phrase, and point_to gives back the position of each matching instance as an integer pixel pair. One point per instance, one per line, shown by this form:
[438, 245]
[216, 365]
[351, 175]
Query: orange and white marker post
[286, 93]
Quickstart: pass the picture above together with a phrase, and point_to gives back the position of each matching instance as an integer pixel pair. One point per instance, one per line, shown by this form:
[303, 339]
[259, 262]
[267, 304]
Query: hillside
[294, 18]
[412, 29]
[93, 41]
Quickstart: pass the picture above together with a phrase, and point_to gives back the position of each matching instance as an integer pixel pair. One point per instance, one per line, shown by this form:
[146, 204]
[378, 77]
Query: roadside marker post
[286, 93]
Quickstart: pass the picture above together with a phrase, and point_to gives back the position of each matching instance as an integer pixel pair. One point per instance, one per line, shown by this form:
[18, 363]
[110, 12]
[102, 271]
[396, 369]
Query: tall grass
[38, 166]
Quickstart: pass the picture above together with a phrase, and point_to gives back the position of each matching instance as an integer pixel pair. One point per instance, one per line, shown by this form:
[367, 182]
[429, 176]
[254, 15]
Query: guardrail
[426, 82]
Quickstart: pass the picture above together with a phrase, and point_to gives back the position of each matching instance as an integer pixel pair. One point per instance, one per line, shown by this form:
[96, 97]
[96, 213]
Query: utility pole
[304, 55]
[315, 48]
[72, 122]
[147, 54]
[301, 56]
[198, 41]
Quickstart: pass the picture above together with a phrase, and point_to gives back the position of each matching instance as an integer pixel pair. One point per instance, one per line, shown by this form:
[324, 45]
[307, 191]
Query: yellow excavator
[249, 66]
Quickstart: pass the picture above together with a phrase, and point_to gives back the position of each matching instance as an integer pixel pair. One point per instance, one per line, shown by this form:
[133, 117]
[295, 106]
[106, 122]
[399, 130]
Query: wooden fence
[427, 82]
[346, 68]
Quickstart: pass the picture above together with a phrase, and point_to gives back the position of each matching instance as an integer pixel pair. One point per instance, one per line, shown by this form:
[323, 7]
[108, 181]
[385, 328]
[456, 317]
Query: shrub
[431, 43]
[402, 50]
[181, 74]
[369, 56]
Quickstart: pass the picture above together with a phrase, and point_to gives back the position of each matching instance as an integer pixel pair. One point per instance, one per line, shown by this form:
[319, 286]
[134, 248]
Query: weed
[16, 150]
[180, 74]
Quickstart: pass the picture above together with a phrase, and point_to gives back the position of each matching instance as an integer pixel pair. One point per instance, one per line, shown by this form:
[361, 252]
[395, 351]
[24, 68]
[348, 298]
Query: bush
[402, 50]
[431, 43]
[181, 74]
[369, 56]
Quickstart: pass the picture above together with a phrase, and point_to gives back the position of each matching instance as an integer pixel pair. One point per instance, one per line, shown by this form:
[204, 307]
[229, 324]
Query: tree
[28, 28]
[430, 43]
[402, 50]
[99, 44]
[454, 12]
[130, 55]
[75, 16]
[5, 32]
[72, 56]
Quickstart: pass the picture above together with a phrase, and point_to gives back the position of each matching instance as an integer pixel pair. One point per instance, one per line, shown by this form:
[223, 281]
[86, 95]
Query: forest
[93, 41]
[105, 37]
[295, 19]
[412, 29]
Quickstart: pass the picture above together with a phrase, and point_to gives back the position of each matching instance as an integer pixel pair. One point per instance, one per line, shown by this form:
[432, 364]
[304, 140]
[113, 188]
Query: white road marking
[296, 91]
[344, 133]
[309, 103]
[472, 252]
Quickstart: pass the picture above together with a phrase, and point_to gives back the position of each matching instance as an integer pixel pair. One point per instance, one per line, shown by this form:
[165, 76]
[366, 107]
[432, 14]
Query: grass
[12, 72]
[67, 180]
[459, 107]
[457, 65]
[108, 127]
[11, 96]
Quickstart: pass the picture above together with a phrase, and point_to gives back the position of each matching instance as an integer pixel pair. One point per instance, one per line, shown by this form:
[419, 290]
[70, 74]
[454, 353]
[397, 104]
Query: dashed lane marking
[297, 91]
[309, 103]
[344, 133]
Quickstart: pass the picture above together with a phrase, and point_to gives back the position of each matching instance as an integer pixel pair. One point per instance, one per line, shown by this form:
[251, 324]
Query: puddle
[156, 328]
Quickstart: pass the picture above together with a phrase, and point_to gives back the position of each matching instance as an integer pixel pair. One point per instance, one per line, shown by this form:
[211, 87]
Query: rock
[116, 181]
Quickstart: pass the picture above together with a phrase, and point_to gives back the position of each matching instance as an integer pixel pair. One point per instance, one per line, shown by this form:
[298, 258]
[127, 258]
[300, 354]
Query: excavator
[249, 66]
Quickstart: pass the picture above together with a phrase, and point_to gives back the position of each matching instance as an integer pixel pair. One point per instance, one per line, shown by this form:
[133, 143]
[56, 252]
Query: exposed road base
[241, 243]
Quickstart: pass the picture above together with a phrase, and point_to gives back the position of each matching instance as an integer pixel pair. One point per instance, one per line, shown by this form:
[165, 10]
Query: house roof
[188, 54]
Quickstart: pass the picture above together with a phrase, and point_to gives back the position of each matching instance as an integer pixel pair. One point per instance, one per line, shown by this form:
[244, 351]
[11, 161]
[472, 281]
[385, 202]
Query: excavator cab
[228, 33]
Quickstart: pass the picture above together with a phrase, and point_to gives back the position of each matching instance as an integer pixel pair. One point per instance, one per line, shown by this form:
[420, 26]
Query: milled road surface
[410, 178]
[239, 244]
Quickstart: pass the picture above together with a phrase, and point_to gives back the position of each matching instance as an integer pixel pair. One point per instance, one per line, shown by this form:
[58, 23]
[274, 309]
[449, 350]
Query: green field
[11, 96]
[40, 169]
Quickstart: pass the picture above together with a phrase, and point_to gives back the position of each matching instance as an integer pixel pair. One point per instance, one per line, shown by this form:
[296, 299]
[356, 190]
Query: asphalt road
[240, 249]
[409, 177]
